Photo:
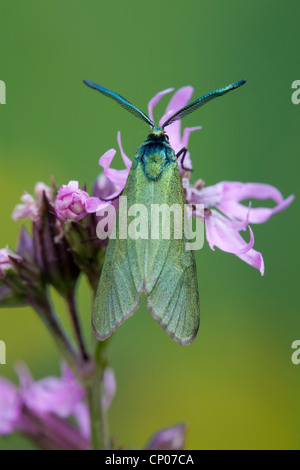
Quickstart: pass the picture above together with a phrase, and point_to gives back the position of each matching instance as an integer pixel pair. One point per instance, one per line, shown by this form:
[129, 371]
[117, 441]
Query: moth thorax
[154, 164]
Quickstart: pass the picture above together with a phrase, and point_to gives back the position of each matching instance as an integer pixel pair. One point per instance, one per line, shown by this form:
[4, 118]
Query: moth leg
[183, 151]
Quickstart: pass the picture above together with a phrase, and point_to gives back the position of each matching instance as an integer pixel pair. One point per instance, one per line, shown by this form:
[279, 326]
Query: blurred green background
[235, 386]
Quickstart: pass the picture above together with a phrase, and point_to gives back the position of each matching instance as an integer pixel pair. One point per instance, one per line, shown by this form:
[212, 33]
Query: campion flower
[70, 203]
[224, 215]
[45, 405]
[30, 206]
[6, 257]
[74, 204]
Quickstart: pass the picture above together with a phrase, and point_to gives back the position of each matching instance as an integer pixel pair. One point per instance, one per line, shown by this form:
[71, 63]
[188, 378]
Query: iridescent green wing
[121, 280]
[170, 272]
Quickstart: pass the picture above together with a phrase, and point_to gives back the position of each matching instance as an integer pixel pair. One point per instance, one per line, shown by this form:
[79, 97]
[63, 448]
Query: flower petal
[126, 160]
[153, 102]
[186, 135]
[172, 438]
[255, 259]
[257, 215]
[10, 406]
[224, 234]
[94, 204]
[178, 101]
[118, 177]
[110, 387]
[54, 395]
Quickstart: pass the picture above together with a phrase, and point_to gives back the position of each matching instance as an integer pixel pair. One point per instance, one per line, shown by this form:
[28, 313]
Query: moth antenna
[190, 108]
[122, 101]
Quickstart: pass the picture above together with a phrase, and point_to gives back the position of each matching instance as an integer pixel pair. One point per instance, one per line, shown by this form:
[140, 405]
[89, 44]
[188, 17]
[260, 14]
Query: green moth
[162, 268]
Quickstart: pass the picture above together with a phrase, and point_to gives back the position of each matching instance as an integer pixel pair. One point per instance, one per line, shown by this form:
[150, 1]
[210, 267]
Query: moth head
[158, 134]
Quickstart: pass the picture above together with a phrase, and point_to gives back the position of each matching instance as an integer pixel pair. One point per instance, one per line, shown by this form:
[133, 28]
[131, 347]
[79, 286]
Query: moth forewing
[121, 281]
[171, 278]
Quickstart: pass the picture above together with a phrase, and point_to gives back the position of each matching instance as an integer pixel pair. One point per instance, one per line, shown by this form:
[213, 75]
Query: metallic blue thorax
[154, 154]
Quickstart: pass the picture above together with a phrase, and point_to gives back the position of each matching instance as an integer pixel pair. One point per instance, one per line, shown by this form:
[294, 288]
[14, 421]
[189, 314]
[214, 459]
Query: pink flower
[225, 217]
[57, 395]
[10, 406]
[46, 403]
[30, 206]
[5, 260]
[70, 203]
[73, 203]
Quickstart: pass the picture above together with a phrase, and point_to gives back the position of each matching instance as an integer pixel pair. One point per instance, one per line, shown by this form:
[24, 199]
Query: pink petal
[118, 177]
[240, 191]
[110, 387]
[172, 438]
[186, 135]
[72, 186]
[224, 234]
[174, 133]
[126, 160]
[94, 204]
[107, 158]
[255, 259]
[257, 215]
[82, 416]
[153, 102]
[10, 407]
[54, 395]
[178, 101]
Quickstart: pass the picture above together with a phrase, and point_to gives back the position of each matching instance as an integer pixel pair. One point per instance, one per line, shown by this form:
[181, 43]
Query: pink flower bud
[71, 201]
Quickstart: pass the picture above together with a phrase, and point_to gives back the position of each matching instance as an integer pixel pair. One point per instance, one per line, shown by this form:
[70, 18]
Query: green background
[235, 386]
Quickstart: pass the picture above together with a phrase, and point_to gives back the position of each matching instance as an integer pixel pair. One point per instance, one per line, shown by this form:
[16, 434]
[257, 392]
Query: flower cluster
[63, 245]
[39, 409]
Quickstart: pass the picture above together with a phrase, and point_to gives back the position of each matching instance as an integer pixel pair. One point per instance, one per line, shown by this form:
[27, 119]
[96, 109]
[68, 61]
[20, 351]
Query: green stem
[76, 325]
[47, 314]
[93, 390]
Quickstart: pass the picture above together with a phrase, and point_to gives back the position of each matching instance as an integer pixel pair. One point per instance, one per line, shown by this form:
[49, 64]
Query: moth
[161, 268]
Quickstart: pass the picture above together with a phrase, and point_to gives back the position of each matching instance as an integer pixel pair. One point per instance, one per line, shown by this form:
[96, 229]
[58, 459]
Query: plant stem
[93, 390]
[47, 314]
[76, 325]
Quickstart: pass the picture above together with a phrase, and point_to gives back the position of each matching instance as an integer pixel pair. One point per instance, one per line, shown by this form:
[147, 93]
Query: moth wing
[121, 281]
[171, 277]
